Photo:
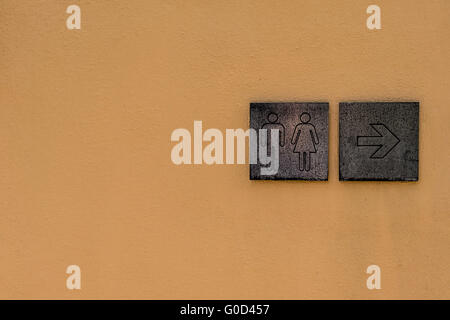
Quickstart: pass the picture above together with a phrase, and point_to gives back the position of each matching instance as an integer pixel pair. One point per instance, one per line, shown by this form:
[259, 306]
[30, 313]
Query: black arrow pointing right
[386, 140]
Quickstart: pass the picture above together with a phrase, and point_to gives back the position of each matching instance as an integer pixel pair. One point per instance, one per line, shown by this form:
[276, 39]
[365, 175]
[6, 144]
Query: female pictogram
[305, 139]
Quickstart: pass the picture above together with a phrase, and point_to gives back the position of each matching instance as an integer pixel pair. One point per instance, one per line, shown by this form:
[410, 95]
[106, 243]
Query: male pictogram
[273, 124]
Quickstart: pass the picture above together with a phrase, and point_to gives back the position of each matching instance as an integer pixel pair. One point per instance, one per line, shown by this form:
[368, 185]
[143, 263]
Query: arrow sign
[386, 140]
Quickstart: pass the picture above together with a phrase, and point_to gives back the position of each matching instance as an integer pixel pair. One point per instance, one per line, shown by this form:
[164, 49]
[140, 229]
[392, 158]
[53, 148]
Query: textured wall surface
[86, 176]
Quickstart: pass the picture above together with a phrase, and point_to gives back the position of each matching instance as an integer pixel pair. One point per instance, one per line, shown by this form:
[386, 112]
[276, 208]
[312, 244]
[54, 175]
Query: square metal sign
[302, 140]
[379, 141]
